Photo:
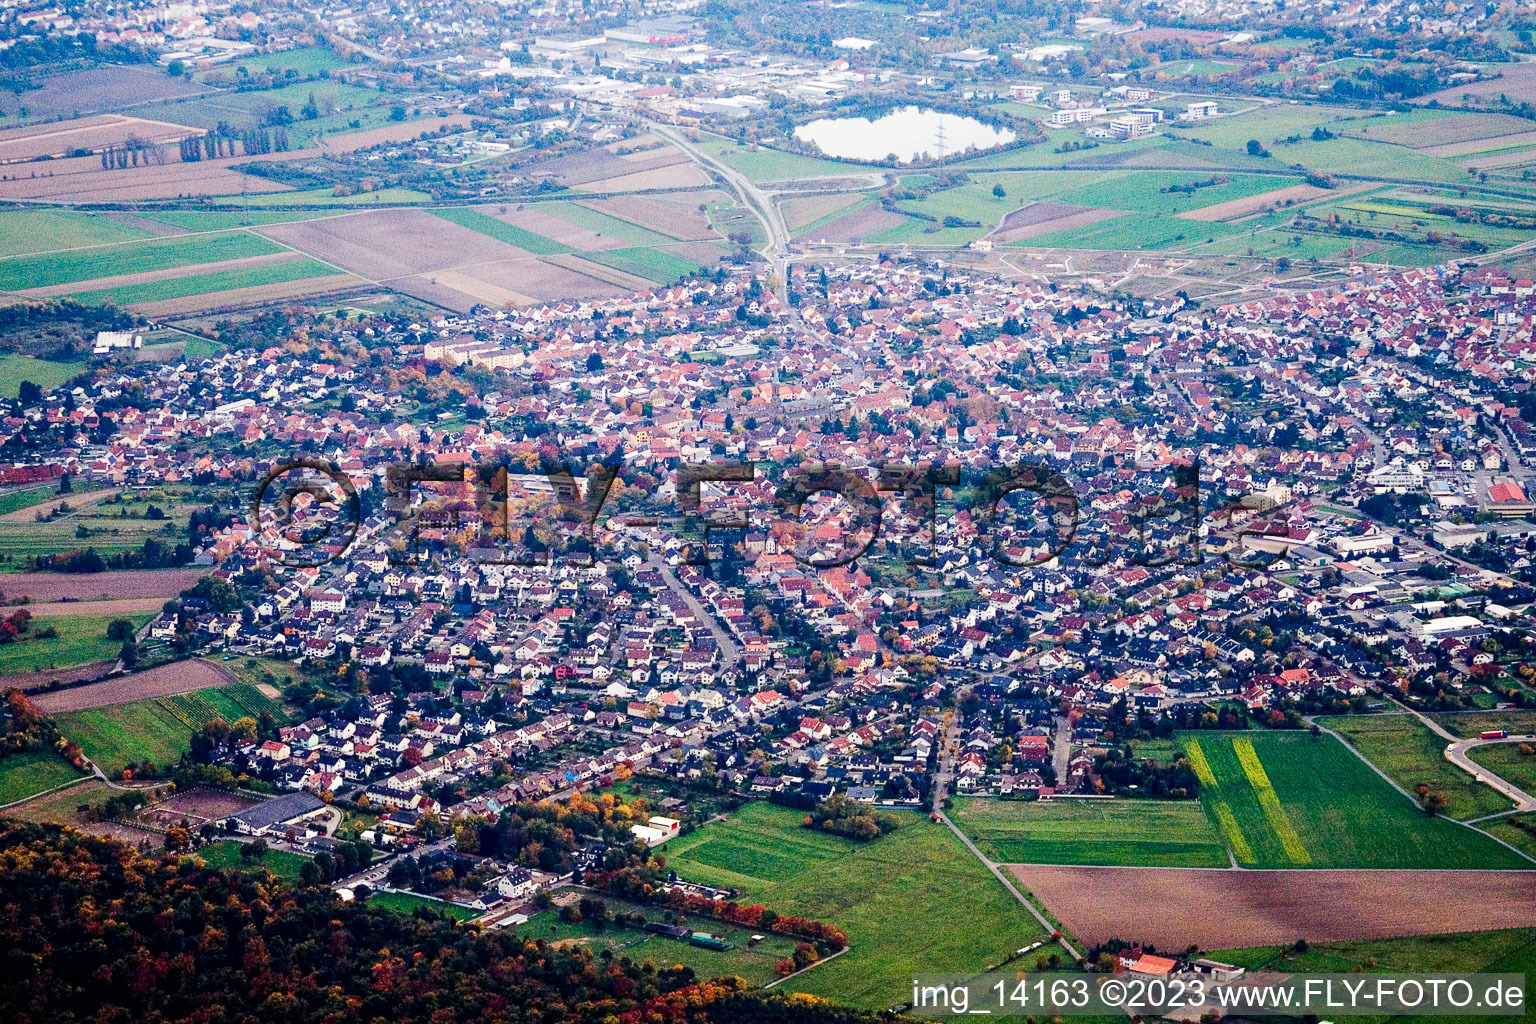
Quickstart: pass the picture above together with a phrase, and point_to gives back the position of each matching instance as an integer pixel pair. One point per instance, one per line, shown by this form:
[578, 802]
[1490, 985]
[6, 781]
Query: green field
[405, 903]
[110, 526]
[26, 497]
[899, 898]
[606, 225]
[25, 231]
[208, 284]
[82, 639]
[1412, 755]
[227, 855]
[761, 164]
[45, 373]
[24, 775]
[657, 265]
[306, 60]
[502, 231]
[1506, 761]
[1295, 800]
[1134, 231]
[1523, 839]
[756, 964]
[223, 220]
[158, 730]
[1515, 721]
[47, 270]
[1510, 951]
[1138, 833]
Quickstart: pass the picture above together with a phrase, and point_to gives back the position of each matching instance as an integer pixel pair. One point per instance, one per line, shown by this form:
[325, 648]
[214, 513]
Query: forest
[97, 932]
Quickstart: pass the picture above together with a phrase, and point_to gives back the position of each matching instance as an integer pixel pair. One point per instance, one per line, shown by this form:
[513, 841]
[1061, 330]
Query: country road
[1456, 753]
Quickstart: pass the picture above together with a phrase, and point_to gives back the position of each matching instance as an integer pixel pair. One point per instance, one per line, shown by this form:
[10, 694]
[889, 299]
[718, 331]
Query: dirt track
[1220, 909]
[181, 677]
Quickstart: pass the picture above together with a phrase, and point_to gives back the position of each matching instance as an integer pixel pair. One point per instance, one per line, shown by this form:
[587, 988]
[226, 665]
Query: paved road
[1456, 753]
[776, 249]
[729, 648]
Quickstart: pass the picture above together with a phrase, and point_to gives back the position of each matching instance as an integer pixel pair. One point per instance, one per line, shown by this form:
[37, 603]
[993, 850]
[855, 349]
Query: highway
[776, 249]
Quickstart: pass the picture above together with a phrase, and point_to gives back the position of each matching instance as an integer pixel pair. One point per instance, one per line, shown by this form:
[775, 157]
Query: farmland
[80, 640]
[301, 268]
[1161, 833]
[47, 269]
[108, 525]
[1292, 800]
[1470, 723]
[159, 729]
[1507, 761]
[869, 891]
[24, 231]
[1412, 755]
[23, 775]
[1221, 909]
[53, 586]
[754, 963]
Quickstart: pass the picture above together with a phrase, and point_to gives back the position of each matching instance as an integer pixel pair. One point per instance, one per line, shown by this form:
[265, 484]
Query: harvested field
[404, 131]
[94, 133]
[1043, 218]
[608, 275]
[686, 224]
[803, 211]
[114, 87]
[386, 244]
[595, 165]
[382, 245]
[1517, 81]
[1224, 909]
[533, 280]
[858, 225]
[98, 586]
[1481, 145]
[665, 176]
[530, 218]
[126, 606]
[1234, 209]
[255, 295]
[47, 677]
[180, 677]
[1421, 132]
[82, 180]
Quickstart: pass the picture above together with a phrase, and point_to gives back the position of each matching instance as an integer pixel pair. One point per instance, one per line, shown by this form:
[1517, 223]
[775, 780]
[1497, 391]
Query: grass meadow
[1145, 833]
[1406, 750]
[756, 964]
[915, 900]
[27, 774]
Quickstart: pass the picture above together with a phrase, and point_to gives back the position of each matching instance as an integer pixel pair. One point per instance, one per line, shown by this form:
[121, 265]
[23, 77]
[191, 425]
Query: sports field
[158, 730]
[1412, 755]
[1147, 833]
[1288, 800]
[898, 898]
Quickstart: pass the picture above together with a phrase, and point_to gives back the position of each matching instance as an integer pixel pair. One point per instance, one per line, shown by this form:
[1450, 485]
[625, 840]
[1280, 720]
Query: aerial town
[732, 511]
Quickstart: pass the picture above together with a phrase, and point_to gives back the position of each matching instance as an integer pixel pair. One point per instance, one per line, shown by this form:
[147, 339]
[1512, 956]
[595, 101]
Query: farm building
[273, 816]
